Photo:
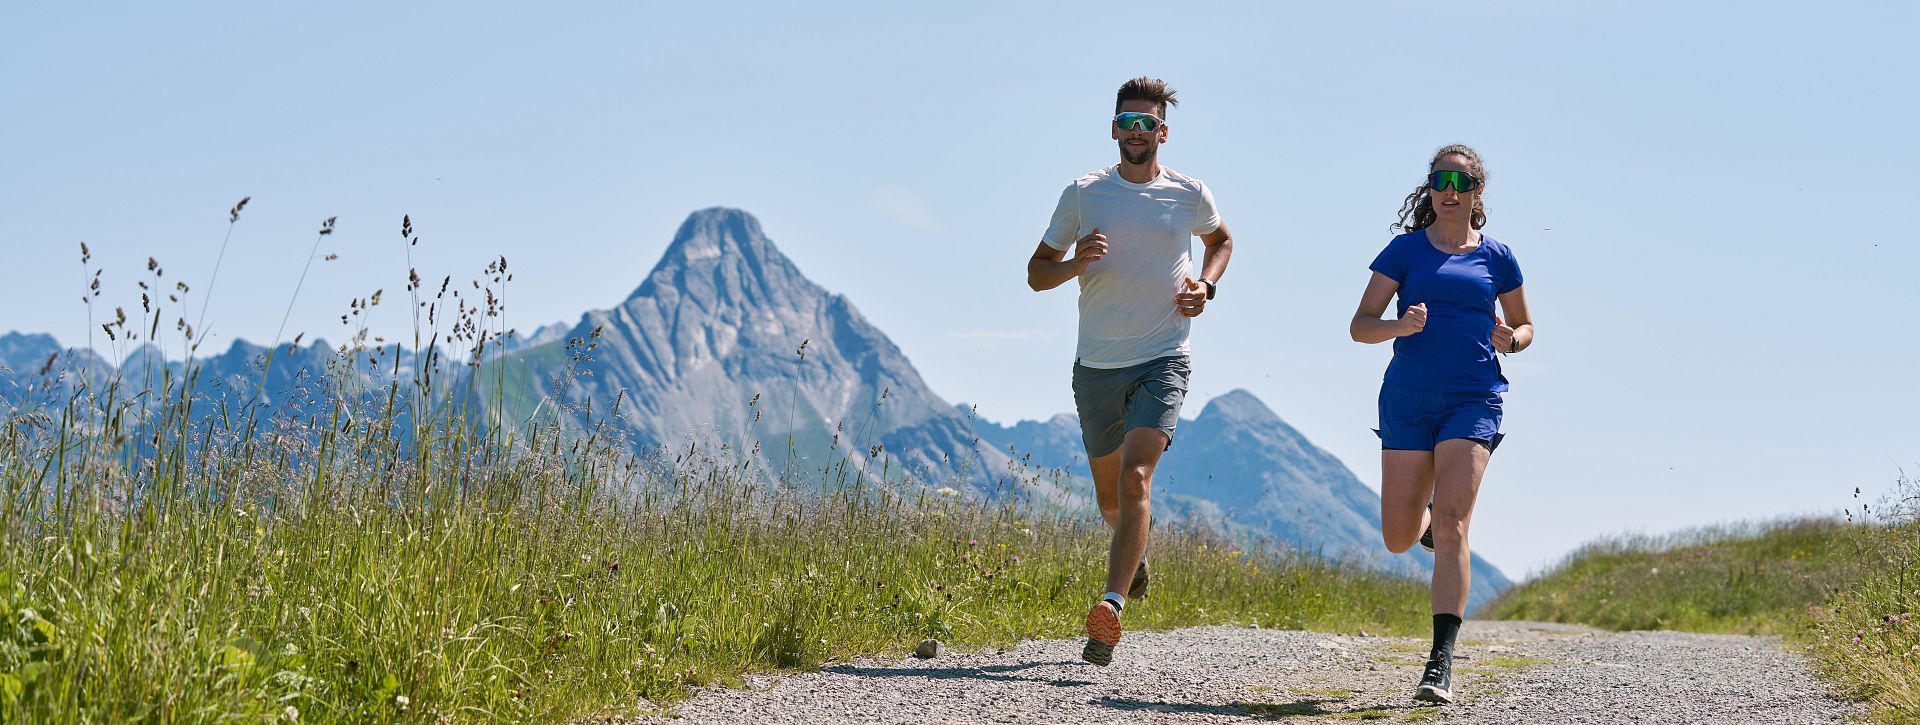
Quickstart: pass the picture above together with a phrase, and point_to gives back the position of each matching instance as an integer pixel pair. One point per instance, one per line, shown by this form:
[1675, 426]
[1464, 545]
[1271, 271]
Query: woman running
[1440, 400]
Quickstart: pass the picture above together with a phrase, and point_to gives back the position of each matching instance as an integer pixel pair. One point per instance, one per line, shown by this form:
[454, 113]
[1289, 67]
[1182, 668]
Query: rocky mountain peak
[1241, 406]
[720, 256]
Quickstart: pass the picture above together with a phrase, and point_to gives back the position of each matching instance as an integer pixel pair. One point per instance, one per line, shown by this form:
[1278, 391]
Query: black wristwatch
[1211, 287]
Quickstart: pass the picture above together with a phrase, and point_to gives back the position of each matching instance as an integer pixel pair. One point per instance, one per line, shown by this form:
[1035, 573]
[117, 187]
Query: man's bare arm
[1050, 268]
[1219, 249]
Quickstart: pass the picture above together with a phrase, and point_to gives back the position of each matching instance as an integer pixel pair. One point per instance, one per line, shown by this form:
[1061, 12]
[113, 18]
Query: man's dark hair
[1146, 89]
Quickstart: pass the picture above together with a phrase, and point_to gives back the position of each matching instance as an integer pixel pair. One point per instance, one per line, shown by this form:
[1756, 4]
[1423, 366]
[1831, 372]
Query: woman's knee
[1449, 530]
[1397, 544]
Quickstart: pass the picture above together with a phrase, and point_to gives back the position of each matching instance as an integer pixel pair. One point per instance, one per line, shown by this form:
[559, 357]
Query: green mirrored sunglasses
[1462, 181]
[1138, 122]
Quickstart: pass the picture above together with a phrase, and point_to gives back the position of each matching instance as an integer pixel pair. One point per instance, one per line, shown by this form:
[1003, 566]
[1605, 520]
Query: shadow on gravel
[1253, 710]
[990, 672]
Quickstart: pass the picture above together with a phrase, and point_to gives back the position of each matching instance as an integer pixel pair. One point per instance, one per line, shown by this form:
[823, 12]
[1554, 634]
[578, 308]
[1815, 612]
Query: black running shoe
[1138, 589]
[1437, 682]
[1426, 539]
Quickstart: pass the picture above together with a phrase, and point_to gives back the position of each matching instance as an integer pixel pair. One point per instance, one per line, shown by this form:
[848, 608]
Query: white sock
[1119, 602]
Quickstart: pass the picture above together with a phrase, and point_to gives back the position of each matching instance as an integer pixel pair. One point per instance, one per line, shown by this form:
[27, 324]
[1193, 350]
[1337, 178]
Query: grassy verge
[1746, 580]
[1846, 593]
[380, 549]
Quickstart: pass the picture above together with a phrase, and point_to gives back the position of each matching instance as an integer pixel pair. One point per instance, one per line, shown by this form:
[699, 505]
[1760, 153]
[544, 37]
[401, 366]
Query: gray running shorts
[1112, 402]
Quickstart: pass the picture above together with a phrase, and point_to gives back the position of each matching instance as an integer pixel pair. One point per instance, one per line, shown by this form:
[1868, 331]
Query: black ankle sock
[1446, 627]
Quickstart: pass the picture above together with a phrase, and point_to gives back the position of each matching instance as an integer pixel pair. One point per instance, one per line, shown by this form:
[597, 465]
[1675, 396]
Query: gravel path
[1506, 672]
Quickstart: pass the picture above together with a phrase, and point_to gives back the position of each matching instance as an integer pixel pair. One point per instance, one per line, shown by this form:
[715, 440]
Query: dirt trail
[1518, 672]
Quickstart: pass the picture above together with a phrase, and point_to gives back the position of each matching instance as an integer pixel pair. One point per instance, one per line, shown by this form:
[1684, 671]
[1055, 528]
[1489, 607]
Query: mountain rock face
[725, 320]
[551, 332]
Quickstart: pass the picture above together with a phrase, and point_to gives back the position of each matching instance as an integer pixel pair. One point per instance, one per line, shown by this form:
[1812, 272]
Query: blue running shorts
[1415, 420]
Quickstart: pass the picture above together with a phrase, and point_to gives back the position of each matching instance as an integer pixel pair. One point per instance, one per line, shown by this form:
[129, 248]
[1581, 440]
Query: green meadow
[1843, 592]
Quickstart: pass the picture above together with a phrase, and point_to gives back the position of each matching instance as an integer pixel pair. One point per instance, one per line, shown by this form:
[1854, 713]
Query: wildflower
[973, 542]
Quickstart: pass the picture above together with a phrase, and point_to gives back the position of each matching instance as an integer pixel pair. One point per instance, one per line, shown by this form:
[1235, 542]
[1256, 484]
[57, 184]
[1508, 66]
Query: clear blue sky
[1710, 200]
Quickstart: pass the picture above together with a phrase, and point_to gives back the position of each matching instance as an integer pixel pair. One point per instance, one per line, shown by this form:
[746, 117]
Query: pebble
[928, 649]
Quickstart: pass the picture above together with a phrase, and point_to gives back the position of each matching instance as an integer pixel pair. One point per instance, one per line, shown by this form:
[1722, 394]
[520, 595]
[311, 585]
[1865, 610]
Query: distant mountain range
[726, 341]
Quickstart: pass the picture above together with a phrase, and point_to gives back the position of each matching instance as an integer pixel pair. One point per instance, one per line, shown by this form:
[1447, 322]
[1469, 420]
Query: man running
[1128, 226]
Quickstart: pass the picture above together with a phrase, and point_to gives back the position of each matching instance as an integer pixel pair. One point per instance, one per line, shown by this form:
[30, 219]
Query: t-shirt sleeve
[1207, 217]
[1065, 227]
[1391, 262]
[1510, 278]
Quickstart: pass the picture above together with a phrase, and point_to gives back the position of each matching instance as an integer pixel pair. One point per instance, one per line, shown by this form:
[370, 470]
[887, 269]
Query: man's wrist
[1211, 287]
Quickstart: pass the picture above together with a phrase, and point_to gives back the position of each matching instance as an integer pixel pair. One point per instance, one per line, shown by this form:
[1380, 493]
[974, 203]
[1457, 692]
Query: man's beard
[1143, 156]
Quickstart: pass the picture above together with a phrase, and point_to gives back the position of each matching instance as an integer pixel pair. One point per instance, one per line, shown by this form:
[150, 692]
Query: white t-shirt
[1127, 315]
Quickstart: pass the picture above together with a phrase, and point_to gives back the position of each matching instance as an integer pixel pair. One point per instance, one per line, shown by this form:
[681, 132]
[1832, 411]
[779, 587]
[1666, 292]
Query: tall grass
[1844, 591]
[1864, 638]
[383, 549]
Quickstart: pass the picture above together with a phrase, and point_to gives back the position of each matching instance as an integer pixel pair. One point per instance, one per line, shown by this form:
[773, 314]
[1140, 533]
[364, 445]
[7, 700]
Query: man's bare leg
[1129, 515]
[1139, 454]
[1106, 484]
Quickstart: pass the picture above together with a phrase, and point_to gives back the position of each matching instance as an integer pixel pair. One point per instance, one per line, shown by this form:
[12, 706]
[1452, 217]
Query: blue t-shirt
[1454, 352]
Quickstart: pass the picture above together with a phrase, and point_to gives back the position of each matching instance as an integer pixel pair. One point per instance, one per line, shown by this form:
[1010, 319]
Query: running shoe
[1426, 539]
[1103, 632]
[1138, 589]
[1437, 682]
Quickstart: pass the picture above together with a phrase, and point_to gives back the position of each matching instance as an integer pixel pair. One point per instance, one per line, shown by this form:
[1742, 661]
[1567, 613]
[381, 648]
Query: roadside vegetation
[371, 545]
[1846, 592]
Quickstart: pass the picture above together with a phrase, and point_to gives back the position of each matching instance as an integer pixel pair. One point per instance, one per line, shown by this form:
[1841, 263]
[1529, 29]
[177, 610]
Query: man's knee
[1136, 482]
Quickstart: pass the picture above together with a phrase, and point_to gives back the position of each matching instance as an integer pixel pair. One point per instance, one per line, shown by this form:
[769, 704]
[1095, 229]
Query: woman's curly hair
[1417, 211]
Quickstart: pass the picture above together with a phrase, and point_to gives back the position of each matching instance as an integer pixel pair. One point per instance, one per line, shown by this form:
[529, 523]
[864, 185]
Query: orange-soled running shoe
[1103, 632]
